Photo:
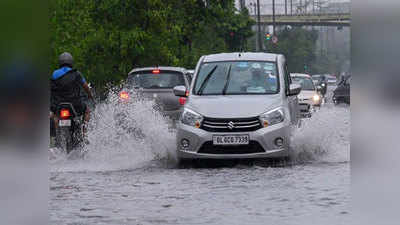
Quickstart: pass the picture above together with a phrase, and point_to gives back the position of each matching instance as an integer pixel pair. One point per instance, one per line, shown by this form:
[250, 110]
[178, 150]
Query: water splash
[325, 137]
[122, 135]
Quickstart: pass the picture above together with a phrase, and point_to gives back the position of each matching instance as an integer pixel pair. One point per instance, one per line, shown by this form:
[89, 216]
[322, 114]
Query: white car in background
[331, 80]
[309, 97]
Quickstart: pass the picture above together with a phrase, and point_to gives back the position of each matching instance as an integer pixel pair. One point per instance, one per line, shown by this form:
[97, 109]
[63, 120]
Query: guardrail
[328, 19]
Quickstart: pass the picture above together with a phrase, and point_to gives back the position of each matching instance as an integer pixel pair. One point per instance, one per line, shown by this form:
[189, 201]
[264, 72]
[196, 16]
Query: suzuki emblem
[231, 125]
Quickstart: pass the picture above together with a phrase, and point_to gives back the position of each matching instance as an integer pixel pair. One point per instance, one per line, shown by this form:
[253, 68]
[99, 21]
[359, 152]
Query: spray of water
[128, 135]
[325, 137]
[122, 135]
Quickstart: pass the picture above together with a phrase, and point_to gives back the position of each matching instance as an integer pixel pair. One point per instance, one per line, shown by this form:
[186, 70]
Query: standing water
[126, 180]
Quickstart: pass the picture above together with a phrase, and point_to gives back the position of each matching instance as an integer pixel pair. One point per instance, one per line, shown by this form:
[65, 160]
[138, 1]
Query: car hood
[306, 94]
[233, 106]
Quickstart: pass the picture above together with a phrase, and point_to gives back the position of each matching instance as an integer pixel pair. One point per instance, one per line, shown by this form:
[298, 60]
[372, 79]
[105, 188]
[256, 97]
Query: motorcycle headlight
[323, 85]
[272, 117]
[316, 98]
[191, 118]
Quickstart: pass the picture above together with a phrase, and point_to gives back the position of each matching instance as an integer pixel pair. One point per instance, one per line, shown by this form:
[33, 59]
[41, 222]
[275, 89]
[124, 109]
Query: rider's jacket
[65, 85]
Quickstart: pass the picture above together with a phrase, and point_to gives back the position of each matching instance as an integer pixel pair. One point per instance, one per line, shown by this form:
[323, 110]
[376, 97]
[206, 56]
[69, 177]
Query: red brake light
[157, 71]
[124, 95]
[187, 93]
[182, 100]
[64, 113]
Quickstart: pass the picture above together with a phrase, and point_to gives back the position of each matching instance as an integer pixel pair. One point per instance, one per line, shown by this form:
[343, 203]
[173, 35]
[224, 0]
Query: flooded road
[136, 182]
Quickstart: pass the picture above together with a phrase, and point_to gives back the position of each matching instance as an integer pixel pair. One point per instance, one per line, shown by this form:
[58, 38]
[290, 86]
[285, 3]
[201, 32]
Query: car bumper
[264, 137]
[278, 153]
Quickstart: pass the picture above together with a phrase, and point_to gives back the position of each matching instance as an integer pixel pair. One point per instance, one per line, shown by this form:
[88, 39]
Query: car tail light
[157, 71]
[182, 100]
[187, 93]
[124, 95]
[65, 113]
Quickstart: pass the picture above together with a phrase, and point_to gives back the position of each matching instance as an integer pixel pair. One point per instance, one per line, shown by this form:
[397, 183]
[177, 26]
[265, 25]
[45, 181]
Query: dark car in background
[342, 92]
[157, 83]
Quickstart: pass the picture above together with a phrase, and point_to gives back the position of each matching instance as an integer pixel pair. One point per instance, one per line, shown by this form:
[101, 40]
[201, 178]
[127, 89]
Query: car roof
[169, 68]
[300, 75]
[240, 56]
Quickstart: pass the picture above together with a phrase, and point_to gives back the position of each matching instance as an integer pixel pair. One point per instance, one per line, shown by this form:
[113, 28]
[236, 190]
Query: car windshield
[306, 83]
[237, 78]
[159, 79]
[318, 78]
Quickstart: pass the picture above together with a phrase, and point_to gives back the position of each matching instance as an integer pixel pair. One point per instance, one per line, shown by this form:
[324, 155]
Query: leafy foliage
[108, 38]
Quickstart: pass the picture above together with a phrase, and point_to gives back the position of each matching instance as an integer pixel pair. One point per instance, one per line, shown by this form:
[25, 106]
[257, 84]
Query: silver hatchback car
[240, 105]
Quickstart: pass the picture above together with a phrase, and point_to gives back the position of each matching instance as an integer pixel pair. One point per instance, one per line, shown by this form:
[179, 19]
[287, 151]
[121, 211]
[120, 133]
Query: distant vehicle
[157, 83]
[331, 80]
[321, 83]
[309, 97]
[342, 91]
[241, 105]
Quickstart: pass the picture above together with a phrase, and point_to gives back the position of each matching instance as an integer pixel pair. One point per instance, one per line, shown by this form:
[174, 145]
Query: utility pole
[273, 16]
[257, 35]
[259, 25]
[291, 7]
[242, 4]
[285, 7]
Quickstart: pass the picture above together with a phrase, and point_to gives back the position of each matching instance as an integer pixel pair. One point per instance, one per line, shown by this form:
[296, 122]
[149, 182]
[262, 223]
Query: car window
[306, 83]
[239, 77]
[159, 79]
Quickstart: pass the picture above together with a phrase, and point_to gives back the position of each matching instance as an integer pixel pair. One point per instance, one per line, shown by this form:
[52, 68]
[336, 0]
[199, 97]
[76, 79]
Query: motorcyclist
[65, 85]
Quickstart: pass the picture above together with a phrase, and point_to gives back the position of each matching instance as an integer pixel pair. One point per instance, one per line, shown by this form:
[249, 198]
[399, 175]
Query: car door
[292, 100]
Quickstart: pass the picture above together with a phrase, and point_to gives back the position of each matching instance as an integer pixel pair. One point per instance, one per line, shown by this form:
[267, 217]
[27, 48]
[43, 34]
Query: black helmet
[66, 59]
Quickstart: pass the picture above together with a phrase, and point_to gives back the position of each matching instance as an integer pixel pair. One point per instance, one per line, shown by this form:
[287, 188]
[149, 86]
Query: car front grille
[231, 125]
[252, 147]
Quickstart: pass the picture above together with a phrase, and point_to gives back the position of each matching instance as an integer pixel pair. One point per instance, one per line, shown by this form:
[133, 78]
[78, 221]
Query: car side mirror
[294, 89]
[180, 91]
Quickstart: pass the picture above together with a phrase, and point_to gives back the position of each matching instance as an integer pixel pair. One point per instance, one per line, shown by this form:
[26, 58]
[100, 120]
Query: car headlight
[191, 118]
[316, 98]
[272, 117]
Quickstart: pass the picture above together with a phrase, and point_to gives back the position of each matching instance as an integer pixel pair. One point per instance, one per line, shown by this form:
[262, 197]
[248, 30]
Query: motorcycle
[69, 133]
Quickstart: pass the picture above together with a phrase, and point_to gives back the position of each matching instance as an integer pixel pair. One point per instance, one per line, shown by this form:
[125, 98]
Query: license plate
[64, 123]
[231, 139]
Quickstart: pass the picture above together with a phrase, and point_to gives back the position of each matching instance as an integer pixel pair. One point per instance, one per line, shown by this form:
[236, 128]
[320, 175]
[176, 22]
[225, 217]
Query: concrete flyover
[326, 19]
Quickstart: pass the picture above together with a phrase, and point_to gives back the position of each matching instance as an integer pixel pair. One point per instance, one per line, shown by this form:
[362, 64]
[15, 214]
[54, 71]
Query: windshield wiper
[228, 79]
[203, 85]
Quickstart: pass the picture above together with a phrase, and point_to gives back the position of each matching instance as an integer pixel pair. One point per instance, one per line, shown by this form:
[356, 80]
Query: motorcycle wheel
[64, 139]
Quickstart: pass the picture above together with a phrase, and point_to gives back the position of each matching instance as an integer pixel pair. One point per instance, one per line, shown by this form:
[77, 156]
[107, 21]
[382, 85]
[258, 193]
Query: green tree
[108, 38]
